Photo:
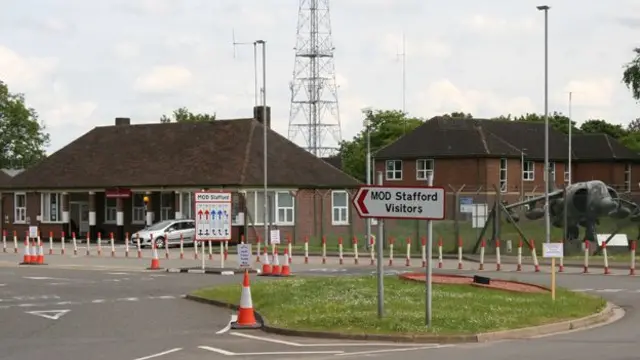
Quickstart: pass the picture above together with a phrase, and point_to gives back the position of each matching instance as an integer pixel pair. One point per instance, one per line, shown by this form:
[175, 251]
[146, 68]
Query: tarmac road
[138, 315]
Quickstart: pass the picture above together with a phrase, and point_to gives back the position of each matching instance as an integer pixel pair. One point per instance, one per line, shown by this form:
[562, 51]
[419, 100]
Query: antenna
[404, 78]
[255, 62]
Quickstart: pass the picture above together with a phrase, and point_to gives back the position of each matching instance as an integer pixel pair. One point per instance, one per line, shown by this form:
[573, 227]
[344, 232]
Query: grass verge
[349, 305]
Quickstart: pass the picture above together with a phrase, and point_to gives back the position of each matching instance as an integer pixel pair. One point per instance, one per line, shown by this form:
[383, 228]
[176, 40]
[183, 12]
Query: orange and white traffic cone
[275, 268]
[266, 264]
[246, 315]
[155, 262]
[27, 253]
[286, 268]
[40, 258]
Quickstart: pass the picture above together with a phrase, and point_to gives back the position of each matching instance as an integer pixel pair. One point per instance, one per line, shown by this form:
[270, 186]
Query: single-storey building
[96, 184]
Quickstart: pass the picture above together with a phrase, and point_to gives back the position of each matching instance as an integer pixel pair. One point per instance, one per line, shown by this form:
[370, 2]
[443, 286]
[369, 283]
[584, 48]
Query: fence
[325, 214]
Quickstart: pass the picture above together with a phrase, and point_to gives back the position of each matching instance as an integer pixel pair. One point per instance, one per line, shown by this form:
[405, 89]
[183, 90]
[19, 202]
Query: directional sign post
[213, 217]
[400, 202]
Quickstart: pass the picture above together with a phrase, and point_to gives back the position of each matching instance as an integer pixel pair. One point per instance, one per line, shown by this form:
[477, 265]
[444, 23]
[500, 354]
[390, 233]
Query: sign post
[213, 217]
[553, 251]
[400, 202]
[429, 269]
[379, 259]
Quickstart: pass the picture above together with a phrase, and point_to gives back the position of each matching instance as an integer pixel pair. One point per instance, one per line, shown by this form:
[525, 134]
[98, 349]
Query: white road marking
[68, 303]
[229, 353]
[128, 299]
[294, 344]
[27, 305]
[234, 317]
[609, 290]
[49, 314]
[84, 302]
[97, 301]
[157, 275]
[59, 283]
[371, 352]
[1, 285]
[159, 354]
[42, 278]
[118, 273]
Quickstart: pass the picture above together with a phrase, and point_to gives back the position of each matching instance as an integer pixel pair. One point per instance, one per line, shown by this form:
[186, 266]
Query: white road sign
[552, 250]
[213, 216]
[244, 255]
[400, 202]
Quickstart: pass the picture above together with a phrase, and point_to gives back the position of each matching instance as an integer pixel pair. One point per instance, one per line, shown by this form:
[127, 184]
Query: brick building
[477, 158]
[96, 184]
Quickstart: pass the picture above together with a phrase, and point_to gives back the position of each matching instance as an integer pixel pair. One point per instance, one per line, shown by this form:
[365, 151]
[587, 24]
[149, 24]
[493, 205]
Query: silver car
[167, 231]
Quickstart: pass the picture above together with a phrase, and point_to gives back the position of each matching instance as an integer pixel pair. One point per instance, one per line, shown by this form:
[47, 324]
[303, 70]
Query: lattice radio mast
[314, 111]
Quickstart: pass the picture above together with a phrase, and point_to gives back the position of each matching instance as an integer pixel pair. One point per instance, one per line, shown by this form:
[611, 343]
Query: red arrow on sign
[360, 205]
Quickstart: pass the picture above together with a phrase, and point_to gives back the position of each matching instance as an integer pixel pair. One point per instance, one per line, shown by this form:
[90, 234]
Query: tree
[184, 115]
[23, 139]
[557, 120]
[599, 126]
[631, 75]
[458, 115]
[385, 127]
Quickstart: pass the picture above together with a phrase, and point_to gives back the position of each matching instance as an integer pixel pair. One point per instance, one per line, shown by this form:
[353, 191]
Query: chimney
[258, 114]
[120, 121]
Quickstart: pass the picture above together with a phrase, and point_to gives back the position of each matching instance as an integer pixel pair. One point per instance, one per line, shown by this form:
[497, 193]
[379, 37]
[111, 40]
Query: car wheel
[160, 243]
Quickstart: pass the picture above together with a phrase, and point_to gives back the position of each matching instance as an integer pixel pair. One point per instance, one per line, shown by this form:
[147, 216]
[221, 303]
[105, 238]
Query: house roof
[455, 137]
[204, 154]
[600, 147]
[335, 161]
[5, 179]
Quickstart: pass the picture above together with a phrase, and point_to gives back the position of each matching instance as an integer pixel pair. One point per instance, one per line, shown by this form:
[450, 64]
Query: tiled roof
[599, 147]
[205, 154]
[5, 179]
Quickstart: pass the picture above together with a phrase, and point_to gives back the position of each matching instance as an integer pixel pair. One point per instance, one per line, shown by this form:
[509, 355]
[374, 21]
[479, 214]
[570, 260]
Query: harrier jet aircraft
[586, 202]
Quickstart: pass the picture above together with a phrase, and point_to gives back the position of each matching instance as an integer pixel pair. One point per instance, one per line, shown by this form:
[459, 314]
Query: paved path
[124, 312]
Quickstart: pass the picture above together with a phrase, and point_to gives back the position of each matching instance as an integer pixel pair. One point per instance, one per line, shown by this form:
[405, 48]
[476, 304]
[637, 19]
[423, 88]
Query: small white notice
[274, 236]
[552, 250]
[33, 232]
[244, 256]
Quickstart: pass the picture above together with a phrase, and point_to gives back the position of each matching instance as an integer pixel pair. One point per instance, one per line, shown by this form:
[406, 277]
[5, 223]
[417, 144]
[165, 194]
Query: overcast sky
[82, 63]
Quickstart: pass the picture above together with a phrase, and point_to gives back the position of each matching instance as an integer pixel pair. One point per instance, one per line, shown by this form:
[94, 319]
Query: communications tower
[314, 116]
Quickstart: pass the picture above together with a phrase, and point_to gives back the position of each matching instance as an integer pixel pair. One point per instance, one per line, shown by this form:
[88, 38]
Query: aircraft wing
[552, 195]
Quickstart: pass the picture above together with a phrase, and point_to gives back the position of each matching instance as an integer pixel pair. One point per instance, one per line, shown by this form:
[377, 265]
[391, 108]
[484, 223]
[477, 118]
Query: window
[339, 208]
[503, 175]
[528, 170]
[186, 208]
[627, 177]
[280, 204]
[166, 206]
[51, 207]
[284, 205]
[137, 208]
[394, 170]
[110, 210]
[552, 172]
[20, 207]
[424, 168]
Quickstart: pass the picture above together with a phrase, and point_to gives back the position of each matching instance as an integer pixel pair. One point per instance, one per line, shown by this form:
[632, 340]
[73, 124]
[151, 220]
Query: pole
[379, 255]
[404, 79]
[429, 270]
[203, 254]
[547, 219]
[570, 130]
[264, 137]
[521, 174]
[367, 241]
[255, 71]
[568, 170]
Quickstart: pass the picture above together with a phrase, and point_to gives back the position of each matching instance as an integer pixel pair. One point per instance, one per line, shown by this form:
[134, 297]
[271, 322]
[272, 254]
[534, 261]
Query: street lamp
[522, 152]
[547, 220]
[367, 110]
[264, 136]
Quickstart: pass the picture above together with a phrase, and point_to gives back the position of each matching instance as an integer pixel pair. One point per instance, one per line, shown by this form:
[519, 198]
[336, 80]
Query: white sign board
[274, 237]
[552, 250]
[244, 255]
[479, 214]
[387, 202]
[33, 232]
[616, 240]
[213, 216]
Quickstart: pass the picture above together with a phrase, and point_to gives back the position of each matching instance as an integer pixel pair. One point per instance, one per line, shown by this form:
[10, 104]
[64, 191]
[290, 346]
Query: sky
[83, 63]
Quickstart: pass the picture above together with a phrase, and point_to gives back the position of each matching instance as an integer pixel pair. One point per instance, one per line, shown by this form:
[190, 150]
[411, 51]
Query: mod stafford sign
[400, 202]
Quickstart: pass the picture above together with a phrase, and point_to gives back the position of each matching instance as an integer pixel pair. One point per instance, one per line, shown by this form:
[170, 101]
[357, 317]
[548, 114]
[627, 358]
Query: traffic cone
[275, 268]
[266, 264]
[155, 262]
[246, 315]
[286, 268]
[27, 253]
[40, 256]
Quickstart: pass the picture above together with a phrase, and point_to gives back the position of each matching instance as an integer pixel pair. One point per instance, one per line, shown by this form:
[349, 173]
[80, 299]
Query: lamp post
[522, 173]
[547, 220]
[264, 137]
[366, 124]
